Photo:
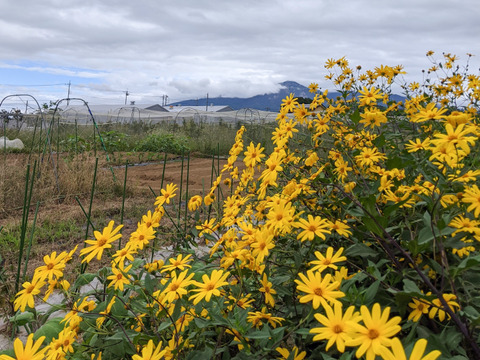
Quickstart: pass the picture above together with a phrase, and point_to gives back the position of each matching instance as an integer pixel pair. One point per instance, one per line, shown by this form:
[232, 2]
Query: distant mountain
[268, 102]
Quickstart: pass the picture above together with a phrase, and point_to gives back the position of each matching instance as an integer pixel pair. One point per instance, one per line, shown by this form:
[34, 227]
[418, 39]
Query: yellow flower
[318, 290]
[256, 317]
[455, 138]
[209, 199]
[25, 297]
[312, 159]
[154, 266]
[151, 352]
[414, 146]
[341, 228]
[437, 306]
[313, 87]
[373, 118]
[286, 354]
[150, 220]
[141, 237]
[337, 326]
[398, 352]
[314, 226]
[120, 277]
[341, 169]
[267, 290]
[419, 307]
[31, 351]
[472, 196]
[124, 254]
[368, 157]
[210, 286]
[327, 261]
[289, 103]
[207, 227]
[253, 155]
[167, 195]
[369, 96]
[103, 241]
[429, 113]
[180, 263]
[176, 288]
[374, 337]
[195, 202]
[262, 245]
[53, 267]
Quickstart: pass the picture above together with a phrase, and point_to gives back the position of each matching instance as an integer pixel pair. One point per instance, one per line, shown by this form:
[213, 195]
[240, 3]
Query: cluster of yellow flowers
[278, 242]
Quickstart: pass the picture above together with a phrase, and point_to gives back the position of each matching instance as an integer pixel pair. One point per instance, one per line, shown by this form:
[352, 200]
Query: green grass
[46, 232]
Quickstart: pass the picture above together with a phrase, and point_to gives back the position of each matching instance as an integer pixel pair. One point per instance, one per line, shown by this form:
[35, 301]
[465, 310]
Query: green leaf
[410, 287]
[50, 330]
[22, 318]
[371, 292]
[206, 353]
[149, 283]
[466, 264]
[355, 116]
[303, 331]
[361, 250]
[84, 279]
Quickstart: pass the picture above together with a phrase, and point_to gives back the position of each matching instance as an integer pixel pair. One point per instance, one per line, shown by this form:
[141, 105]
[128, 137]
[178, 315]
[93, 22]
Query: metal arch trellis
[47, 143]
[251, 113]
[133, 109]
[185, 110]
[52, 122]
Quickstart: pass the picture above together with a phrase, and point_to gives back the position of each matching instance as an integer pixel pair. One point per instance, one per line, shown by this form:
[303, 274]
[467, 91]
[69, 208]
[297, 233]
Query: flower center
[373, 334]
[119, 276]
[337, 329]
[210, 287]
[50, 266]
[318, 292]
[102, 241]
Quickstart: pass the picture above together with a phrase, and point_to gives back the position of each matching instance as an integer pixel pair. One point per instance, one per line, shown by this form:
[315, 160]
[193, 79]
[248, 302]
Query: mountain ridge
[267, 101]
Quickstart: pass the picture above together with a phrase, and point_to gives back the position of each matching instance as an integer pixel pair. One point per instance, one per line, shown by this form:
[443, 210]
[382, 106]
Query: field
[349, 228]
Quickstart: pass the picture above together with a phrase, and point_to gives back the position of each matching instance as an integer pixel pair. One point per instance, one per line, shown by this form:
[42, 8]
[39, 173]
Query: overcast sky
[188, 48]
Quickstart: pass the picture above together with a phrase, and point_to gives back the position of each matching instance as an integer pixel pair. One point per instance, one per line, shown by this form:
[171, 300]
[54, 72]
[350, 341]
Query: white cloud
[186, 48]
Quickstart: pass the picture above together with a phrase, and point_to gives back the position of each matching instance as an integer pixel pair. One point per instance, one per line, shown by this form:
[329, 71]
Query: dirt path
[199, 174]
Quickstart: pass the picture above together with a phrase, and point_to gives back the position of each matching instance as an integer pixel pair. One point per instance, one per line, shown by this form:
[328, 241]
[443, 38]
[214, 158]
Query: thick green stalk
[163, 171]
[123, 202]
[180, 193]
[31, 240]
[23, 229]
[84, 266]
[186, 195]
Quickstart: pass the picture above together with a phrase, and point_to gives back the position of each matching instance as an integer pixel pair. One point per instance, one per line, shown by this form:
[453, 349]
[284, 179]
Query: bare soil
[141, 180]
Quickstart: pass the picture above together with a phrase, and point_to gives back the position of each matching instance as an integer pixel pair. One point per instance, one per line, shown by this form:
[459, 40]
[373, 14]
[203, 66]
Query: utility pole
[164, 100]
[68, 93]
[206, 107]
[126, 96]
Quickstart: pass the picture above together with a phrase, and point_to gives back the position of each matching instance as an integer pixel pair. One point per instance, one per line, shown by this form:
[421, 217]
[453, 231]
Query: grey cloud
[153, 46]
